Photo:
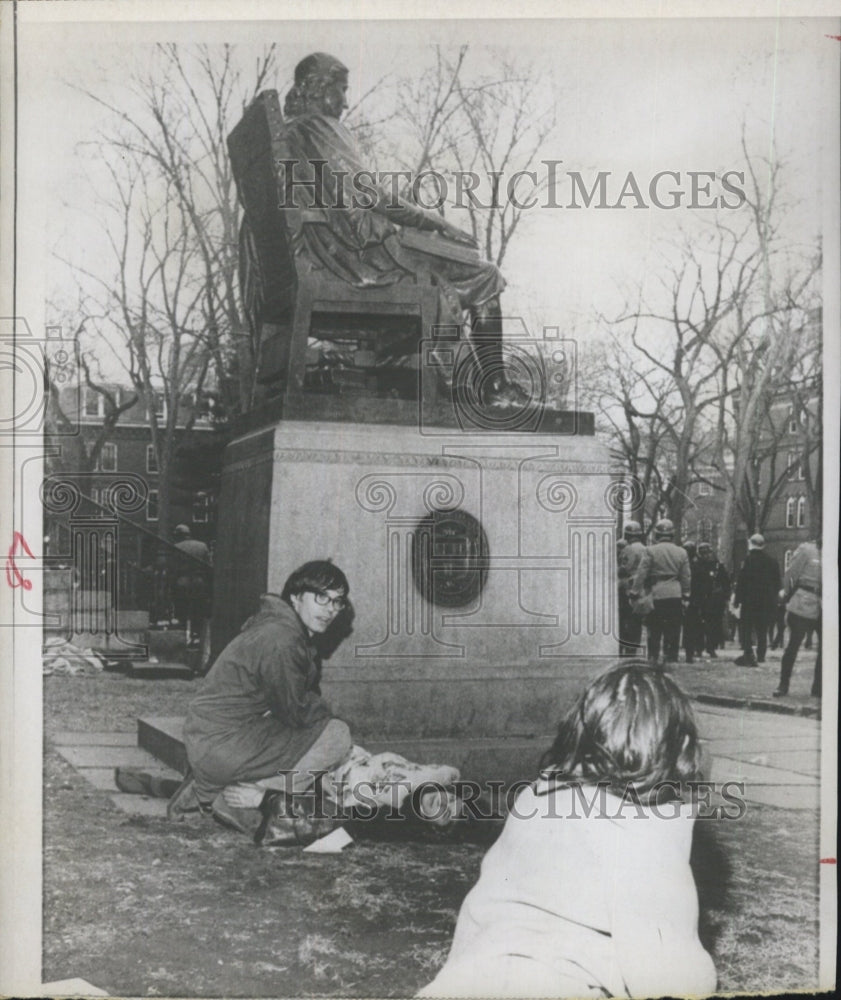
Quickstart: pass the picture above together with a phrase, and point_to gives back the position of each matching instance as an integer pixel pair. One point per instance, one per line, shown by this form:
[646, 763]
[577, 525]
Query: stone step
[162, 737]
[505, 759]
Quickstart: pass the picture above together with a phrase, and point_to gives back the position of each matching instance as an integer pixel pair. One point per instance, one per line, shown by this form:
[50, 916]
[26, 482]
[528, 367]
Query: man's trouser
[754, 623]
[630, 628]
[798, 627]
[242, 763]
[330, 749]
[692, 637]
[710, 628]
[664, 624]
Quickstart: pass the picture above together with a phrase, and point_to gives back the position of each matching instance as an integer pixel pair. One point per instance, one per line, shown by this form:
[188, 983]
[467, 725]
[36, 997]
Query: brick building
[101, 514]
[703, 515]
[794, 467]
[128, 452]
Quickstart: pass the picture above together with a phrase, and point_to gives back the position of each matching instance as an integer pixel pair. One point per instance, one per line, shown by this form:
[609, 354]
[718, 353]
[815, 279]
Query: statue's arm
[403, 212]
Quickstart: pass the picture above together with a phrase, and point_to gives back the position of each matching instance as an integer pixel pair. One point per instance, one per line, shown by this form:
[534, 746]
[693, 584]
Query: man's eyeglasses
[322, 598]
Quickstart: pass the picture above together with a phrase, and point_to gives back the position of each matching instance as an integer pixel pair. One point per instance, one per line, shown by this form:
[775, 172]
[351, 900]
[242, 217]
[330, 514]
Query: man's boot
[289, 821]
[185, 800]
[236, 817]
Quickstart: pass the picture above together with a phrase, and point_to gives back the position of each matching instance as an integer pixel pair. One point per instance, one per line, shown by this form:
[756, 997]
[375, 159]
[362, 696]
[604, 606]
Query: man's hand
[454, 233]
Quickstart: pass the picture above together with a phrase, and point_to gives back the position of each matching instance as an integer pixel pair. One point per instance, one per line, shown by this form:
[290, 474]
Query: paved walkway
[95, 755]
[776, 756]
[723, 682]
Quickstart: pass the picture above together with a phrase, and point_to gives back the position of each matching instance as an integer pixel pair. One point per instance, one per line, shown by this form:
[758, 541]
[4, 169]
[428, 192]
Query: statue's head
[320, 87]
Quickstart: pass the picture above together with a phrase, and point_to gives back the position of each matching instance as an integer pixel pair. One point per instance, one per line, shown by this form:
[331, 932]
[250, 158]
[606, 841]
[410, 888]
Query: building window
[801, 469]
[790, 503]
[152, 506]
[787, 559]
[704, 489]
[204, 406]
[801, 512]
[107, 461]
[792, 465]
[94, 403]
[159, 405]
[793, 421]
[201, 508]
[151, 458]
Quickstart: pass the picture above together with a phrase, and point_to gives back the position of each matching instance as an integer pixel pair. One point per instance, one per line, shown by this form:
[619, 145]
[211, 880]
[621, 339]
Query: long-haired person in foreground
[588, 891]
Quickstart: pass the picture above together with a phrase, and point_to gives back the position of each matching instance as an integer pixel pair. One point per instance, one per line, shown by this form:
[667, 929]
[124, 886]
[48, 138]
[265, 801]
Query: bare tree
[633, 406]
[771, 319]
[77, 452]
[706, 370]
[171, 217]
[476, 129]
[191, 99]
[794, 396]
[675, 349]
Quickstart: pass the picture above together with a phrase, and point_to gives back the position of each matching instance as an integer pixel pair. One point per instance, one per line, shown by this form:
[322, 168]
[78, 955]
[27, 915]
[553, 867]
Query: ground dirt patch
[141, 907]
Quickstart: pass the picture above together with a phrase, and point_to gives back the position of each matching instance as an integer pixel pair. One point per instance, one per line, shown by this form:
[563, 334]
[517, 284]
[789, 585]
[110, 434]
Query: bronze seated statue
[340, 290]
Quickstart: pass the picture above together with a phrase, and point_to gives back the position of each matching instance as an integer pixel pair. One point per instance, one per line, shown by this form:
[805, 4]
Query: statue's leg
[486, 335]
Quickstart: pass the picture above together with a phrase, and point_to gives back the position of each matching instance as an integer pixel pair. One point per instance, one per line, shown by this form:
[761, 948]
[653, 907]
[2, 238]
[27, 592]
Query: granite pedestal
[513, 532]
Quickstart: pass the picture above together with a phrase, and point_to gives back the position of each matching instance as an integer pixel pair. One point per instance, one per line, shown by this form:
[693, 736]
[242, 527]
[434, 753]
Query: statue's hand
[454, 233]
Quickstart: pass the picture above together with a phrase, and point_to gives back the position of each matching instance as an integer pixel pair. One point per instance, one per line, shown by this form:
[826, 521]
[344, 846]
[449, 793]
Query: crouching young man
[258, 722]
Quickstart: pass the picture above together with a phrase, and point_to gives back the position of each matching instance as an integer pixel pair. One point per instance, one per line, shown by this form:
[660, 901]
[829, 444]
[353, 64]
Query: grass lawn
[140, 907]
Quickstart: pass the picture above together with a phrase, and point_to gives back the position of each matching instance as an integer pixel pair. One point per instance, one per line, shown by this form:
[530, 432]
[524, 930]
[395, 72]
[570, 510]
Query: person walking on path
[779, 629]
[692, 640]
[664, 570]
[802, 591]
[757, 588]
[191, 592]
[630, 624]
[710, 590]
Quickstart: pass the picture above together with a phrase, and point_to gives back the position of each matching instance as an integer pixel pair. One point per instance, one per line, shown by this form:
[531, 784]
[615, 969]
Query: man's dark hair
[318, 575]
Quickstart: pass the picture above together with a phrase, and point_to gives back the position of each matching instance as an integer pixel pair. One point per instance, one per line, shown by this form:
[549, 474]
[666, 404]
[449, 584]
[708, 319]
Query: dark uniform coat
[758, 586]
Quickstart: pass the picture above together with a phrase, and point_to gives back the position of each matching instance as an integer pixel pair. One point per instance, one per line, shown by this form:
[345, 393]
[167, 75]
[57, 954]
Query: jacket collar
[274, 608]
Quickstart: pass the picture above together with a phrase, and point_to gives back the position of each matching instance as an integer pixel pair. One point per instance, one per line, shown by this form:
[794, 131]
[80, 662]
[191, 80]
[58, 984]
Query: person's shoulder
[274, 616]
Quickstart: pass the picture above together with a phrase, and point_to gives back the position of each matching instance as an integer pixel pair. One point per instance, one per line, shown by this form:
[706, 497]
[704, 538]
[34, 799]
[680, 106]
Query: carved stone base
[511, 535]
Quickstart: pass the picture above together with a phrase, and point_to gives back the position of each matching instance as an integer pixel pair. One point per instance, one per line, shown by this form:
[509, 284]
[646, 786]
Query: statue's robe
[351, 226]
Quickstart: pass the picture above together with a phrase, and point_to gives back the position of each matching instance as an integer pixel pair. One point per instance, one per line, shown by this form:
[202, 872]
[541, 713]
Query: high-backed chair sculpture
[289, 300]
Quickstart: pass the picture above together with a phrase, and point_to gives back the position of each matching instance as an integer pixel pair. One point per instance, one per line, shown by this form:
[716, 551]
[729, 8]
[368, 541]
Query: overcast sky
[638, 96]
